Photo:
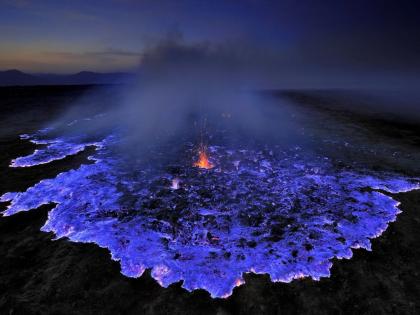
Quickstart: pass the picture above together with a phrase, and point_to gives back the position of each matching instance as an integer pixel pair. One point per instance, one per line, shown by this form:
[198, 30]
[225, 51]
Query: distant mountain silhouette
[16, 77]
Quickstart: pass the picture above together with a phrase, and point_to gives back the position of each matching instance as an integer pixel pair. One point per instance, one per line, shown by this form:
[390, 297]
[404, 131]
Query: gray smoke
[183, 90]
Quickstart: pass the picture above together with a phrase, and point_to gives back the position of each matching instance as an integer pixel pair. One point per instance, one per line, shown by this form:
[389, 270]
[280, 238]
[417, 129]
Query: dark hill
[16, 77]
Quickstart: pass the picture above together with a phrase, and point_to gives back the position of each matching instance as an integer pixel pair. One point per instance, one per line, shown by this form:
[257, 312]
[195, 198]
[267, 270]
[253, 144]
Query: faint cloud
[101, 60]
[16, 3]
[51, 11]
[110, 52]
[79, 16]
[117, 52]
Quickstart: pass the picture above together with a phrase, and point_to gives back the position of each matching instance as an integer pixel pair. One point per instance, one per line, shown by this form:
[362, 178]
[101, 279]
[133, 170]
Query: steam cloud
[183, 90]
[181, 87]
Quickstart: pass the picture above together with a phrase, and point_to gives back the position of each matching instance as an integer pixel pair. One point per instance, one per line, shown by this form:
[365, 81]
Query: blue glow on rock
[286, 213]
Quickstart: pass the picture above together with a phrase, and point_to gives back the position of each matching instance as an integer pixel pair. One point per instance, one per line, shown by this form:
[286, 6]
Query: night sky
[336, 38]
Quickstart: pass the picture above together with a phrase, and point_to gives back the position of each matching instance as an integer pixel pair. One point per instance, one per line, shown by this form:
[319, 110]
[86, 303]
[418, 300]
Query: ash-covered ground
[284, 212]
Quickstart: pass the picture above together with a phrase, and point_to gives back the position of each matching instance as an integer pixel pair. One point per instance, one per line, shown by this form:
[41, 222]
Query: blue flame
[285, 213]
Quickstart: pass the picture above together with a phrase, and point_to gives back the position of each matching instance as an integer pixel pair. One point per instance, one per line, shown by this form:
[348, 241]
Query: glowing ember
[175, 183]
[203, 160]
[236, 163]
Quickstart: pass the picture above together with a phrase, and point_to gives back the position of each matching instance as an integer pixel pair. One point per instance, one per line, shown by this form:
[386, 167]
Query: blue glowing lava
[286, 213]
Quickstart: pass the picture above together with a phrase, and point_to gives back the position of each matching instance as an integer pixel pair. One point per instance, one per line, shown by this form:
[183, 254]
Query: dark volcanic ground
[40, 276]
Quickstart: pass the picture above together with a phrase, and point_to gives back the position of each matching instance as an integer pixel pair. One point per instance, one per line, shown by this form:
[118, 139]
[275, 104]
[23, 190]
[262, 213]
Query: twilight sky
[332, 36]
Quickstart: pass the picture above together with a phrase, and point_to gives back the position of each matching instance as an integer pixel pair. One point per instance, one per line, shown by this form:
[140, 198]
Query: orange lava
[203, 160]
